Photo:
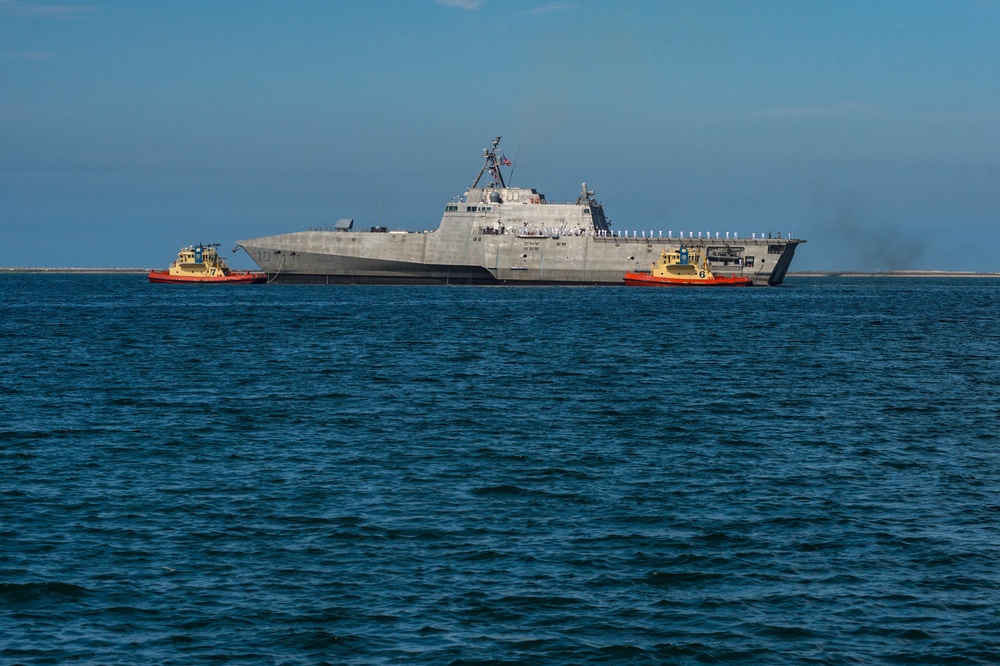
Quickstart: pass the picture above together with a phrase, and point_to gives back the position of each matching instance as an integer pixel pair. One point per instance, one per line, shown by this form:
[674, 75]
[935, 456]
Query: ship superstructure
[498, 234]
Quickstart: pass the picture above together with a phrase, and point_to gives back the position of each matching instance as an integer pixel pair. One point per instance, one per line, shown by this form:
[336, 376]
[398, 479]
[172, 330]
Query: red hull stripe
[643, 280]
[233, 278]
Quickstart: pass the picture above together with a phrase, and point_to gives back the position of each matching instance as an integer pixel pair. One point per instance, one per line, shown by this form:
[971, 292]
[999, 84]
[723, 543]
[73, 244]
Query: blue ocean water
[457, 475]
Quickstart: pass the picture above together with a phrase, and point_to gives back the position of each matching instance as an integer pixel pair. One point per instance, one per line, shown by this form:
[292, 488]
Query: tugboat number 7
[201, 264]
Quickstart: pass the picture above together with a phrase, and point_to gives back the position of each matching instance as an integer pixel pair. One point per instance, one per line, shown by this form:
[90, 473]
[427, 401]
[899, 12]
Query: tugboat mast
[491, 164]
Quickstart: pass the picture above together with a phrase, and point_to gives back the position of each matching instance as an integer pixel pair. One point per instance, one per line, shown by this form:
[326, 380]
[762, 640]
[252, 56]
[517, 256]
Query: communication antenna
[510, 179]
[490, 157]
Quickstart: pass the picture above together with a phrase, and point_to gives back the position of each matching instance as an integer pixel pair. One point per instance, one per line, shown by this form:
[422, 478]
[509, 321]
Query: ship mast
[491, 164]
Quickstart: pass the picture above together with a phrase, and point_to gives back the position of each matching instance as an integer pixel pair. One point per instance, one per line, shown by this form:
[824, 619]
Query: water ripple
[363, 475]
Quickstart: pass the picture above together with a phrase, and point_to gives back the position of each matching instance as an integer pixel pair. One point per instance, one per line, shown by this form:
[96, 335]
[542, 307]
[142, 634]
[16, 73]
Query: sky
[869, 128]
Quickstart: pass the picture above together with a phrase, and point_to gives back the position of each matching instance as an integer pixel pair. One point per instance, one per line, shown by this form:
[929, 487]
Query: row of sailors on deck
[544, 232]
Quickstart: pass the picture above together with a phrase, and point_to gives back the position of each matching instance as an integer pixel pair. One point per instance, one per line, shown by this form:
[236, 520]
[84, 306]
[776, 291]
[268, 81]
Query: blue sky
[872, 129]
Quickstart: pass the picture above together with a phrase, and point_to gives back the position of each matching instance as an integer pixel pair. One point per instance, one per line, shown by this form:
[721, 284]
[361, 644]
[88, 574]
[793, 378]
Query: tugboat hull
[202, 264]
[164, 277]
[646, 280]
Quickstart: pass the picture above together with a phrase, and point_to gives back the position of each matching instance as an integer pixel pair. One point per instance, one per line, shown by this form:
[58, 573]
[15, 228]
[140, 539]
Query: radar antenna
[492, 165]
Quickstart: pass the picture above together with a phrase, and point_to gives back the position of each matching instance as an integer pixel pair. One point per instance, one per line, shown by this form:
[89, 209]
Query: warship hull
[502, 235]
[320, 257]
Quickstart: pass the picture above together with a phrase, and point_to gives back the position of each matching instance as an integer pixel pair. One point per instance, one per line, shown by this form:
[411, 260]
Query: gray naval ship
[499, 234]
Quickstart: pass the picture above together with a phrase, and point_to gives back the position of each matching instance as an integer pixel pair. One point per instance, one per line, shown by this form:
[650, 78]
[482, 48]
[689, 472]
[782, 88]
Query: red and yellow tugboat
[683, 267]
[202, 263]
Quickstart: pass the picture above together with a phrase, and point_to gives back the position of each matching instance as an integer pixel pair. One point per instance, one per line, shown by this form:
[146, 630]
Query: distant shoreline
[903, 274]
[912, 273]
[63, 271]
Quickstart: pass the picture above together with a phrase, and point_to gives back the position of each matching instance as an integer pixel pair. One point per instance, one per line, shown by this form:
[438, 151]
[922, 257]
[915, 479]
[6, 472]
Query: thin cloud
[29, 56]
[830, 111]
[19, 8]
[805, 112]
[545, 9]
[461, 4]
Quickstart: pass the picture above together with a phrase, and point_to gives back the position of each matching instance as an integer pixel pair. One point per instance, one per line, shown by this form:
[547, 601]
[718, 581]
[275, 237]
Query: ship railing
[379, 229]
[629, 235]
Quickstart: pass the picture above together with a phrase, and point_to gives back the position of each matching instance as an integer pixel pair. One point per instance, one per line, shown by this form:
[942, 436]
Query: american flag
[504, 161]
